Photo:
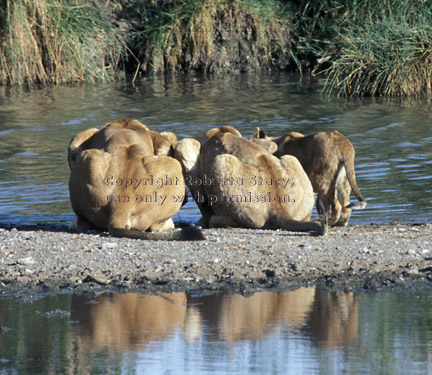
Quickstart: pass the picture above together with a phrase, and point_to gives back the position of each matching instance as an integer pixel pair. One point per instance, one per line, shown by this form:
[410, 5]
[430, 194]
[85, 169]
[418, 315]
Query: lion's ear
[261, 133]
[258, 134]
[80, 142]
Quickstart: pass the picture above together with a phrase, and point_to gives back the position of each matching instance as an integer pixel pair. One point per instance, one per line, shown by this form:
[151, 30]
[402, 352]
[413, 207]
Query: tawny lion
[328, 159]
[238, 183]
[122, 180]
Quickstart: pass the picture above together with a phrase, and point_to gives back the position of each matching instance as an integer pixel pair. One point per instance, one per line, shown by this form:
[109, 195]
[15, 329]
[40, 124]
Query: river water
[304, 331]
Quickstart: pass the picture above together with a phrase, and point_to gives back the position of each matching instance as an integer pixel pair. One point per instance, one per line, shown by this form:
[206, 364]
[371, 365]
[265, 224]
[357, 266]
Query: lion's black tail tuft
[183, 234]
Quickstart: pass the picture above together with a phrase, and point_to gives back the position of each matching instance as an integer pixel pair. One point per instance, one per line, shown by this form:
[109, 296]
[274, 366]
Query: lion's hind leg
[323, 211]
[343, 190]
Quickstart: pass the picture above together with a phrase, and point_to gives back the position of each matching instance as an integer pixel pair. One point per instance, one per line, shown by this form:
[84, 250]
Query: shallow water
[393, 142]
[303, 331]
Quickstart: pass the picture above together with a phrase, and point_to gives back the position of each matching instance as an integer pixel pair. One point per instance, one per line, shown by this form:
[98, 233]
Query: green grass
[383, 49]
[188, 34]
[361, 47]
[54, 42]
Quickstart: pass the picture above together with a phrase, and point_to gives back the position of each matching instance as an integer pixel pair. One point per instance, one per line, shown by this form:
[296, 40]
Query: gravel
[367, 257]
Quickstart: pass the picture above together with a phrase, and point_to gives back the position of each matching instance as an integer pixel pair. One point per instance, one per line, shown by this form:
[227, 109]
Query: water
[303, 331]
[393, 142]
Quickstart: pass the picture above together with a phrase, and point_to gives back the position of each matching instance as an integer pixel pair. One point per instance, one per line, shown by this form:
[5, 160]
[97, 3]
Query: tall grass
[56, 41]
[316, 25]
[363, 47]
[199, 34]
[385, 50]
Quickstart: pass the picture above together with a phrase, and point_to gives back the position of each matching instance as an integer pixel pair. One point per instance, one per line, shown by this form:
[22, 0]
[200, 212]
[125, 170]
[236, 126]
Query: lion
[328, 159]
[164, 143]
[238, 183]
[122, 179]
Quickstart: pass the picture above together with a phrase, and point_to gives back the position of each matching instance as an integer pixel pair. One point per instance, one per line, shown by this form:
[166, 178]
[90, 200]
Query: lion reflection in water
[131, 321]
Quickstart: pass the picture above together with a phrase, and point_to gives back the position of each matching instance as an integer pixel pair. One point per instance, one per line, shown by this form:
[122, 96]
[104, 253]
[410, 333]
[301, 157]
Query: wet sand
[367, 257]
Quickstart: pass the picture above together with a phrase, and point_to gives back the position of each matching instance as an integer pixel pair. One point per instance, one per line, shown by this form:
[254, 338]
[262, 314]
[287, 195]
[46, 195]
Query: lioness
[328, 159]
[237, 183]
[118, 183]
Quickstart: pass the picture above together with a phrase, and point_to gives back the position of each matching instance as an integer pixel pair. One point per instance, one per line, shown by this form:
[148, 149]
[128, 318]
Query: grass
[383, 60]
[192, 34]
[385, 50]
[362, 47]
[56, 42]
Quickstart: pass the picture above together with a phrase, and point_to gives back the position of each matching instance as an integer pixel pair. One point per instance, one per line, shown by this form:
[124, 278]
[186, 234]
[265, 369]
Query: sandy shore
[367, 257]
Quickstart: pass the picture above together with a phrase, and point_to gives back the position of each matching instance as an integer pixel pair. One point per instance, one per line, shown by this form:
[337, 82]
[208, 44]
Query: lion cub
[238, 183]
[328, 159]
[122, 179]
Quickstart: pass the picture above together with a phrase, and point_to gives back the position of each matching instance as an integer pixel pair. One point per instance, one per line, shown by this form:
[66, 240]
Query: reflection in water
[303, 331]
[128, 321]
[393, 143]
[234, 317]
[333, 319]
[124, 321]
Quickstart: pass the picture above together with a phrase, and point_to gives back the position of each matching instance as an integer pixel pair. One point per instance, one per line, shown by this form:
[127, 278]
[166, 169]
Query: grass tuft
[384, 51]
[55, 41]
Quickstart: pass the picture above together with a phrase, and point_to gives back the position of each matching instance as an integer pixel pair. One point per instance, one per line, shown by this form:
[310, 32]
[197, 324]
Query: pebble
[26, 261]
[109, 245]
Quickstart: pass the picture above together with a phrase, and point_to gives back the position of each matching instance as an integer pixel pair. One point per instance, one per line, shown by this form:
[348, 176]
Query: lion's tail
[350, 172]
[183, 234]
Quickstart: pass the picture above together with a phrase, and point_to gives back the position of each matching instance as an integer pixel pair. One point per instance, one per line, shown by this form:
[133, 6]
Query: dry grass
[54, 41]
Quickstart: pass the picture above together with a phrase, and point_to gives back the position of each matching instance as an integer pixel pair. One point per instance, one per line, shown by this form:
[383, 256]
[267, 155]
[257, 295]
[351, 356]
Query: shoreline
[224, 37]
[370, 257]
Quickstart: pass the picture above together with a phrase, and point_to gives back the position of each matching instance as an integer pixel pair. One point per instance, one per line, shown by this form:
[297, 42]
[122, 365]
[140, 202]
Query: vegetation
[205, 34]
[384, 50]
[362, 47]
[56, 41]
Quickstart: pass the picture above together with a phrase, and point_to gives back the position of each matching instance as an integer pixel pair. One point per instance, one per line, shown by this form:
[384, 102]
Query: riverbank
[364, 48]
[369, 257]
